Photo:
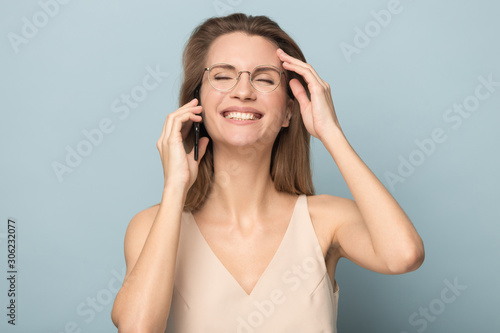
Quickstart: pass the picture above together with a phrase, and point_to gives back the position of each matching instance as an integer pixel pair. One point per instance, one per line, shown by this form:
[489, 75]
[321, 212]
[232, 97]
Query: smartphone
[199, 132]
[196, 140]
[197, 127]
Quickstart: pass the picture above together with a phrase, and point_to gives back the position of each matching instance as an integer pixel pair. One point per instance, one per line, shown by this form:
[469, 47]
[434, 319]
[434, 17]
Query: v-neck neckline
[273, 259]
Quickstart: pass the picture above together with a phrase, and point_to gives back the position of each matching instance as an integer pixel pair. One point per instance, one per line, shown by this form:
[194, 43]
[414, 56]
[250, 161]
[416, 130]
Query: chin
[240, 140]
[243, 136]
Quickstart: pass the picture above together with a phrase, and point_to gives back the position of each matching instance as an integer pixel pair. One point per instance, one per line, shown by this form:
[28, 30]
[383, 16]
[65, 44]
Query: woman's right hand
[180, 168]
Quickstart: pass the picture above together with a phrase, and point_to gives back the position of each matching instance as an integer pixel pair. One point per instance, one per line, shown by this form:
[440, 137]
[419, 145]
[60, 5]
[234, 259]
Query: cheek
[275, 121]
[209, 103]
[280, 105]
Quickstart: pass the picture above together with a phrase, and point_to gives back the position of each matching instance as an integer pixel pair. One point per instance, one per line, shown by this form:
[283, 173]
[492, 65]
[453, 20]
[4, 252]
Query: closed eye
[223, 78]
[266, 81]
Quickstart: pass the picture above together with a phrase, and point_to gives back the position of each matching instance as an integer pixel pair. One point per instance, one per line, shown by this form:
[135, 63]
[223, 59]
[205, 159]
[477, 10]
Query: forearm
[393, 236]
[145, 297]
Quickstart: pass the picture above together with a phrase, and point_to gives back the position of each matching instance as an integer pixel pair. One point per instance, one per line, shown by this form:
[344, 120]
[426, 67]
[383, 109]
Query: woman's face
[271, 109]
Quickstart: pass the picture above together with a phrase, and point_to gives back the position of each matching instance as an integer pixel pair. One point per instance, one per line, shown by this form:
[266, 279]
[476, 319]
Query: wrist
[332, 136]
[336, 143]
[174, 190]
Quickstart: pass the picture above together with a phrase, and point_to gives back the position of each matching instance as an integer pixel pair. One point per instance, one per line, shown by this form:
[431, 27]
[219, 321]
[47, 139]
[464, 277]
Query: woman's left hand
[318, 113]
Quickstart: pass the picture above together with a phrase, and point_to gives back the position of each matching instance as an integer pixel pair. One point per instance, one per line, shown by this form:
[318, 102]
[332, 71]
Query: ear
[288, 112]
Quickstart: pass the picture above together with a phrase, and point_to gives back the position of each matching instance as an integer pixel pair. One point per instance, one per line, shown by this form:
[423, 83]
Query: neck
[242, 187]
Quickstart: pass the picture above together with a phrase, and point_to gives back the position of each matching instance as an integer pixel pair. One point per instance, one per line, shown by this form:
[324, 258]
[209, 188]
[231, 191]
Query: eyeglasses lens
[224, 77]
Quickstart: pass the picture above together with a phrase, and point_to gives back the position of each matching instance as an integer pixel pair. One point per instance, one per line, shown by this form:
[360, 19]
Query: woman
[238, 242]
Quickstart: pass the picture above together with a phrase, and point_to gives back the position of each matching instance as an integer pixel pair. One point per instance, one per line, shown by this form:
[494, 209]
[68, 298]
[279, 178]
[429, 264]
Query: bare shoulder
[329, 212]
[141, 221]
[329, 208]
[137, 233]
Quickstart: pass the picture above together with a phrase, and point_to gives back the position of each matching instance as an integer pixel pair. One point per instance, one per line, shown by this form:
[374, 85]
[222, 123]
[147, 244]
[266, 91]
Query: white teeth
[240, 116]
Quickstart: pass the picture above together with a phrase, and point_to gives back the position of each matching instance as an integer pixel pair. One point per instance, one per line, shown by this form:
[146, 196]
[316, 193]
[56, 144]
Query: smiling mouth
[241, 115]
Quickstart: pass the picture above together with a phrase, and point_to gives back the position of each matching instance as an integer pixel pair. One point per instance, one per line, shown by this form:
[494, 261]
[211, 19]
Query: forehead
[243, 51]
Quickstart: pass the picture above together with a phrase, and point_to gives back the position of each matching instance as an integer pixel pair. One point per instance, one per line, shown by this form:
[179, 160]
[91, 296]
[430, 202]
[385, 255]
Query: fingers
[202, 148]
[179, 120]
[302, 68]
[174, 121]
[188, 107]
[300, 93]
[190, 103]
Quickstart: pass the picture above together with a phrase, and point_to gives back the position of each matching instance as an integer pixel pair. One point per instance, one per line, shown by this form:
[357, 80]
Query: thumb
[300, 93]
[202, 147]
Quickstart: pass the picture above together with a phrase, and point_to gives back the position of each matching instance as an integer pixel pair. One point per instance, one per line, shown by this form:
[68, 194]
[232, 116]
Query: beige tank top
[294, 294]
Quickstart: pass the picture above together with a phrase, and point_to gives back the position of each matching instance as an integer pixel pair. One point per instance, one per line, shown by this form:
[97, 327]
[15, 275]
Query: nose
[243, 88]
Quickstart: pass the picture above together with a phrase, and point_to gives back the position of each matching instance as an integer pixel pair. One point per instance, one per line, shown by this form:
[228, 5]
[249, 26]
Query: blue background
[395, 90]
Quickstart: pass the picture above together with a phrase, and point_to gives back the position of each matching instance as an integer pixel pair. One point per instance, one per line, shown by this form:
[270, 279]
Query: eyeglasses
[264, 78]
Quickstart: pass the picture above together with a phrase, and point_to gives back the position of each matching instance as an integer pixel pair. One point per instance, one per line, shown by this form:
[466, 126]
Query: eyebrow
[226, 65]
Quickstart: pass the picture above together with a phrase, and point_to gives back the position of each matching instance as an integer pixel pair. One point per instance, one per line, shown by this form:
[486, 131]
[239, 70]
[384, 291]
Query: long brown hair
[290, 167]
